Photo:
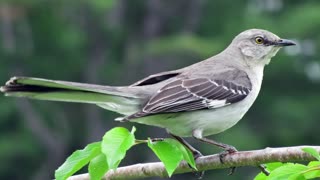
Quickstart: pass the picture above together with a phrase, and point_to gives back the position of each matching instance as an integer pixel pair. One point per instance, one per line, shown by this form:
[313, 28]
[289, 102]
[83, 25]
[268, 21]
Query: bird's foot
[196, 155]
[228, 150]
[199, 174]
[231, 150]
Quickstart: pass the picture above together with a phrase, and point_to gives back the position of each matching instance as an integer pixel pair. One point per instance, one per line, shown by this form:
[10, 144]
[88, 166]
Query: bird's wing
[193, 94]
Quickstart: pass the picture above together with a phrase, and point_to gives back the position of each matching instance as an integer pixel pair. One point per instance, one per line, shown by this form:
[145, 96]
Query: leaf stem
[139, 141]
[311, 169]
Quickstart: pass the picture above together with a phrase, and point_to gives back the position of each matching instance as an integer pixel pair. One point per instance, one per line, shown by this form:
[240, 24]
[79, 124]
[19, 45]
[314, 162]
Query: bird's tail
[123, 100]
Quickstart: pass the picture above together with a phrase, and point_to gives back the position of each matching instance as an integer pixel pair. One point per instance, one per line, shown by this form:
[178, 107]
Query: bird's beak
[284, 42]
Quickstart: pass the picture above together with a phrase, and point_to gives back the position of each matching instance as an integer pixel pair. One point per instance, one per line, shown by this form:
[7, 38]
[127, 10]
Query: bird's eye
[259, 40]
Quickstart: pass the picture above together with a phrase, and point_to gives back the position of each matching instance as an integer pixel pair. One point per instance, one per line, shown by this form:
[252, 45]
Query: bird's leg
[228, 149]
[195, 152]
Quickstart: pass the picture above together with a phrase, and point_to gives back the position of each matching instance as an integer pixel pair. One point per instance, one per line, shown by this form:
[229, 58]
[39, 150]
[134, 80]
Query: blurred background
[118, 42]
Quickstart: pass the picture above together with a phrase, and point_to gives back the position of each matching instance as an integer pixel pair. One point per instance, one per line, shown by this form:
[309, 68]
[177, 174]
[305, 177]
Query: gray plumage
[199, 100]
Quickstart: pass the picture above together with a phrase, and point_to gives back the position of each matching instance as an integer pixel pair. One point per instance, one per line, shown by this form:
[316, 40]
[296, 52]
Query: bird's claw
[227, 151]
[223, 154]
[196, 154]
[198, 174]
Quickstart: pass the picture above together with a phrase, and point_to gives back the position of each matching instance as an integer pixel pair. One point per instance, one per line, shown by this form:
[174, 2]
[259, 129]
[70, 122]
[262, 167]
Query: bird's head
[259, 46]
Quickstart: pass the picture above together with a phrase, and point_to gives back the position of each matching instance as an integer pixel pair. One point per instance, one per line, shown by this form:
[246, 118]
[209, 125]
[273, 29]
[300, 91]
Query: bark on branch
[241, 158]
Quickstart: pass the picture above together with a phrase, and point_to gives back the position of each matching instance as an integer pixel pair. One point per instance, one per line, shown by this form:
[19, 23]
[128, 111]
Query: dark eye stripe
[268, 42]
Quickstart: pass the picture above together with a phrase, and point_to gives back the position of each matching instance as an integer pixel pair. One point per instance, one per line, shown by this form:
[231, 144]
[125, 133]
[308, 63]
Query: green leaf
[287, 171]
[313, 170]
[169, 153]
[274, 165]
[115, 144]
[77, 160]
[98, 167]
[313, 152]
[296, 176]
[314, 164]
[186, 153]
[270, 167]
[261, 176]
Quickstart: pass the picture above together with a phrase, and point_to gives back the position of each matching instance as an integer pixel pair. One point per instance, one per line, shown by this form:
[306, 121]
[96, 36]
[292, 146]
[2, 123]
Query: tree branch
[241, 158]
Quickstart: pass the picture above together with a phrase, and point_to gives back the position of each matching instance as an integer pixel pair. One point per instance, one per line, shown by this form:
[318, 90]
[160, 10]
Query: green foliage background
[118, 42]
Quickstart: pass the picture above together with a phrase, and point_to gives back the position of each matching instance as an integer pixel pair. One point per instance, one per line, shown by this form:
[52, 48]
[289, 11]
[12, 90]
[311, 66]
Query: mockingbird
[203, 99]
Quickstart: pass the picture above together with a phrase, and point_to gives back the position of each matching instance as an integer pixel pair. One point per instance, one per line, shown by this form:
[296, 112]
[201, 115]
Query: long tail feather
[112, 98]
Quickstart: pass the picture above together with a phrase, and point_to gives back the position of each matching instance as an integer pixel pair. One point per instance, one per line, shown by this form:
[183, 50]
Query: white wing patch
[215, 103]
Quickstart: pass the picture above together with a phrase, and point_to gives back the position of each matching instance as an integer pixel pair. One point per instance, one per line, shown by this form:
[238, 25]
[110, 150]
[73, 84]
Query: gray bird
[203, 99]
